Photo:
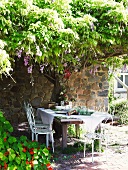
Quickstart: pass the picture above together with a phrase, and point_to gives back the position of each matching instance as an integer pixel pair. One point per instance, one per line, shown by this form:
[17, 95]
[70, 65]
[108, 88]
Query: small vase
[62, 103]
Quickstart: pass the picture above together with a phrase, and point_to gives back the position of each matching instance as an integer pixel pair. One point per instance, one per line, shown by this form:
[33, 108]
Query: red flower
[27, 162]
[24, 150]
[31, 152]
[48, 164]
[67, 74]
[31, 163]
[5, 165]
[31, 149]
[6, 153]
[5, 139]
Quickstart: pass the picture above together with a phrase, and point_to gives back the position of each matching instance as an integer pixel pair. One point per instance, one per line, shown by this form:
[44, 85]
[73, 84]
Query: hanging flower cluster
[67, 73]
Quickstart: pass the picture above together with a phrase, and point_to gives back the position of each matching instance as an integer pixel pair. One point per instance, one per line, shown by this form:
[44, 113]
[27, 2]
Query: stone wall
[13, 94]
[88, 90]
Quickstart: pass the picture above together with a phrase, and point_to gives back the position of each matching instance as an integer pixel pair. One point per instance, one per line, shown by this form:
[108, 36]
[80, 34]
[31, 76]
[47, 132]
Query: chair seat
[42, 130]
[94, 136]
[41, 125]
[38, 121]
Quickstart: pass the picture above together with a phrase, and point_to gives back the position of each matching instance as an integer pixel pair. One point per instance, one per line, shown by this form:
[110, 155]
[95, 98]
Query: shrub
[20, 153]
[120, 108]
[71, 130]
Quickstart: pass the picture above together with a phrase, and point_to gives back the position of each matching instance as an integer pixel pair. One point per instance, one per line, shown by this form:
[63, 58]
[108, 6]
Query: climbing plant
[59, 34]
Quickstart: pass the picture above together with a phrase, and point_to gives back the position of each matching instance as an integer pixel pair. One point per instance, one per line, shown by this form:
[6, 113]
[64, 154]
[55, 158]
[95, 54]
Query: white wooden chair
[38, 127]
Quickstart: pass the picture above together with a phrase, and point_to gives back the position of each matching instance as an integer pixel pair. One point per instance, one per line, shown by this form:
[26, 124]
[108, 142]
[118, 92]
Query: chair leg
[32, 136]
[52, 143]
[84, 148]
[47, 140]
[92, 150]
[37, 137]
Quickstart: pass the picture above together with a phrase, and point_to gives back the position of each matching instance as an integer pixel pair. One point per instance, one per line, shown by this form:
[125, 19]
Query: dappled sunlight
[23, 126]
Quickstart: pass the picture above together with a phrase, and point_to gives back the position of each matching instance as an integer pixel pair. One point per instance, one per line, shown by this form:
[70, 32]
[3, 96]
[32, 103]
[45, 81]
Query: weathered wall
[89, 90]
[13, 95]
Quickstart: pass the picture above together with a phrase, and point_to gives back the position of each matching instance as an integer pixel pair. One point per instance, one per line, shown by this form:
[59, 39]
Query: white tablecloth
[90, 122]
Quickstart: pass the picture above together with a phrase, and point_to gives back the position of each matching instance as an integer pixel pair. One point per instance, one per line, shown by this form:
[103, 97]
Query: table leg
[64, 135]
[77, 127]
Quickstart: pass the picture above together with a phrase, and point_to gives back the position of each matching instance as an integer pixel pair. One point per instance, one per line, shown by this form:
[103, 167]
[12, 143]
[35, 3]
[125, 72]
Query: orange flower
[50, 168]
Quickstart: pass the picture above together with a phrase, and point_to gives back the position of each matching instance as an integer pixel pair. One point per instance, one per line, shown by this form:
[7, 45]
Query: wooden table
[65, 123]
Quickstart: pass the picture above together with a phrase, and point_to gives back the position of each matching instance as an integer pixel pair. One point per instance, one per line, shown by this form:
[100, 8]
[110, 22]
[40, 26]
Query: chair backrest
[28, 105]
[25, 106]
[30, 114]
[31, 119]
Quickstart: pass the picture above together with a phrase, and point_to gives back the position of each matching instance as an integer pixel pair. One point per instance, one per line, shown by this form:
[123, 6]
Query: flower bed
[21, 153]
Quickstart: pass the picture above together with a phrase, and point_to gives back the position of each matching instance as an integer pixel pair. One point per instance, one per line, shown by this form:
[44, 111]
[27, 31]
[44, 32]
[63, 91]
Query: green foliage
[20, 153]
[5, 64]
[53, 33]
[120, 108]
[71, 130]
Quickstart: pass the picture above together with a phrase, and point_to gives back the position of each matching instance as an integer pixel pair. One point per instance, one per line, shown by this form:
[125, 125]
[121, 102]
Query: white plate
[60, 107]
[61, 112]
